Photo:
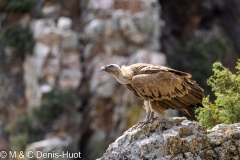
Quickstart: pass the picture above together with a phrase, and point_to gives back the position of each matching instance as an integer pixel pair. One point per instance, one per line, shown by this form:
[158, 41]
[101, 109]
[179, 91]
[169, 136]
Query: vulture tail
[189, 113]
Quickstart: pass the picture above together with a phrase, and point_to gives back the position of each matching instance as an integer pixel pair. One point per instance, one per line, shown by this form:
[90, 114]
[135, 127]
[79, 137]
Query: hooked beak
[103, 69]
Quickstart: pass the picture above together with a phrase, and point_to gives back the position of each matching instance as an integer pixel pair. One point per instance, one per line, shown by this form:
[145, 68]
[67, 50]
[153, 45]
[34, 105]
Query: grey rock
[175, 138]
[69, 40]
[64, 23]
[52, 11]
[71, 71]
[95, 28]
[146, 56]
[150, 24]
[51, 36]
[130, 31]
[100, 4]
[38, 26]
[49, 146]
[33, 66]
[2, 18]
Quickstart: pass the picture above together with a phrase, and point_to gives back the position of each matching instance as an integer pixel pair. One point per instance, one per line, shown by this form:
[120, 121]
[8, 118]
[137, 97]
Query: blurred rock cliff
[52, 92]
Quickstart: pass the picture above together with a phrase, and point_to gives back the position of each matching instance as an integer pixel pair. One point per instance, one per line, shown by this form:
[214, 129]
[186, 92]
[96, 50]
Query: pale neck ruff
[122, 79]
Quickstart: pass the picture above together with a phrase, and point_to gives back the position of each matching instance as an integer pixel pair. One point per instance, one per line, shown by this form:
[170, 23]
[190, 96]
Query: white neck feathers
[125, 75]
[127, 72]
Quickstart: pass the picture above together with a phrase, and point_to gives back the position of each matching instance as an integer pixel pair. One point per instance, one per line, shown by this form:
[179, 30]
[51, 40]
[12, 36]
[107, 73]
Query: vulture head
[112, 69]
[123, 74]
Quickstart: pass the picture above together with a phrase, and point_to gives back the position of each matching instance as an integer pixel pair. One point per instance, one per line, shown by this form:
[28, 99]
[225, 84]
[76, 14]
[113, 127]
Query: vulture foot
[149, 119]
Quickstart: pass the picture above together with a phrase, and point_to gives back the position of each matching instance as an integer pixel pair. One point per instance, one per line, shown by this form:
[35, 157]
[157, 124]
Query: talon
[143, 123]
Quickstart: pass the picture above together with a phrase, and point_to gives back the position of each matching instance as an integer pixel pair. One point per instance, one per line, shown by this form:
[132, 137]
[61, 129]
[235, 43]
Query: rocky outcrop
[176, 138]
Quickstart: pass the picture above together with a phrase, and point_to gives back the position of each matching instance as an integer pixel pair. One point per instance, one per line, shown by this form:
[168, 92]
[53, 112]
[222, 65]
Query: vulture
[160, 87]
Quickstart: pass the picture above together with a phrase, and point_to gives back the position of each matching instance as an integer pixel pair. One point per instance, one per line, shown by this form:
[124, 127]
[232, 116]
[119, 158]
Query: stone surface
[69, 40]
[33, 65]
[70, 75]
[2, 18]
[64, 23]
[52, 11]
[176, 138]
[130, 31]
[52, 145]
[146, 56]
[39, 25]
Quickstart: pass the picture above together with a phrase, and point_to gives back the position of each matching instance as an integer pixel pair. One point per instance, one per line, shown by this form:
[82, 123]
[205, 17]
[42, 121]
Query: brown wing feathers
[161, 85]
[166, 88]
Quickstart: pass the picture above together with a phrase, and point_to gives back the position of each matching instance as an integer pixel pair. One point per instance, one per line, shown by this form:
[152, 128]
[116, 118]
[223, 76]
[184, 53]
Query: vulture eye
[110, 66]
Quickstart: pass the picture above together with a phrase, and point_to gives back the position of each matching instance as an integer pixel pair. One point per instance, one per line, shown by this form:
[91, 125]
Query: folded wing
[160, 85]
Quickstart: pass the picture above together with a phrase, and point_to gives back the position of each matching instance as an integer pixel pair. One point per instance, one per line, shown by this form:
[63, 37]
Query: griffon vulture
[160, 87]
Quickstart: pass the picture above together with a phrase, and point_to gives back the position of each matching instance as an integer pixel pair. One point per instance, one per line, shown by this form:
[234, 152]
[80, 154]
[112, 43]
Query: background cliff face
[51, 53]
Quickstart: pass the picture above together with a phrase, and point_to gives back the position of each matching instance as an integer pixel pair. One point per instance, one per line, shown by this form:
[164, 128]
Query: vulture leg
[147, 107]
[149, 115]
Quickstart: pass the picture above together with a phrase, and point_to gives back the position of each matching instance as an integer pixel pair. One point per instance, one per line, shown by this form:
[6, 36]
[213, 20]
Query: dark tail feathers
[189, 113]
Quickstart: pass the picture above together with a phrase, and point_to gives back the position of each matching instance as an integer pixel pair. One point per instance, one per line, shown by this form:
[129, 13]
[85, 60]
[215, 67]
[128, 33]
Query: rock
[51, 36]
[151, 23]
[95, 28]
[33, 65]
[52, 10]
[100, 4]
[46, 88]
[130, 31]
[2, 18]
[50, 146]
[38, 26]
[71, 74]
[146, 56]
[69, 40]
[64, 23]
[50, 71]
[175, 138]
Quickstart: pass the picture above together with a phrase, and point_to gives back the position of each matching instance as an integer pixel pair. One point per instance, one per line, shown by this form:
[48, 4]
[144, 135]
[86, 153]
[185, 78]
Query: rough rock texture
[176, 138]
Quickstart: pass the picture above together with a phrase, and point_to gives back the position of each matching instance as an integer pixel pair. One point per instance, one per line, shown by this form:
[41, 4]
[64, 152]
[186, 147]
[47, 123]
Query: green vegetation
[31, 126]
[23, 132]
[19, 5]
[197, 57]
[20, 38]
[226, 107]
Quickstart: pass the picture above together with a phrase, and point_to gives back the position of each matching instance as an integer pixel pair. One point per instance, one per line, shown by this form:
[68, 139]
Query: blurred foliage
[20, 38]
[32, 126]
[133, 118]
[197, 57]
[54, 104]
[23, 133]
[226, 107]
[19, 5]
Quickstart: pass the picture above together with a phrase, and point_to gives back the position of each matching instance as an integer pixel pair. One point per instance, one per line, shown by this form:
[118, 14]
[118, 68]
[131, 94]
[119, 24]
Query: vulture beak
[103, 68]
